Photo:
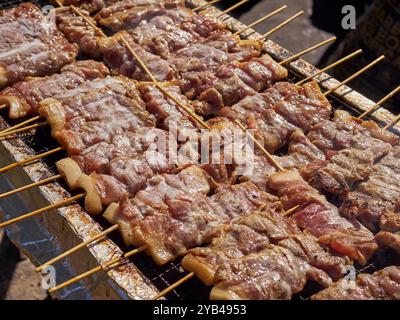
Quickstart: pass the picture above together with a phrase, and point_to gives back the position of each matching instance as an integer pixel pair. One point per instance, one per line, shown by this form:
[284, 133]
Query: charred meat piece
[252, 234]
[128, 14]
[95, 112]
[168, 114]
[322, 219]
[374, 201]
[382, 285]
[23, 97]
[31, 45]
[272, 274]
[121, 62]
[77, 30]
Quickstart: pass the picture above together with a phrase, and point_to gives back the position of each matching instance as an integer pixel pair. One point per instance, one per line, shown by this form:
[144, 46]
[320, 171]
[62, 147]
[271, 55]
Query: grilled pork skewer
[24, 97]
[31, 45]
[381, 285]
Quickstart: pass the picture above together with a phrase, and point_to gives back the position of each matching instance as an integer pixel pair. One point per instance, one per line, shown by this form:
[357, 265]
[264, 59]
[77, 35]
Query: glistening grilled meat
[77, 30]
[23, 98]
[171, 216]
[374, 201]
[126, 15]
[252, 234]
[322, 219]
[121, 61]
[272, 274]
[382, 285]
[31, 45]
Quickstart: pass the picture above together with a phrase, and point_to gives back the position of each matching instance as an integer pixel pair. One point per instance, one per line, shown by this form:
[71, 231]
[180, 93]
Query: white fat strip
[21, 48]
[90, 85]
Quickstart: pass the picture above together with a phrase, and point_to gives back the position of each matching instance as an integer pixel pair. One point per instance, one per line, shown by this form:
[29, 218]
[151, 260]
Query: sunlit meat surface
[31, 45]
[381, 285]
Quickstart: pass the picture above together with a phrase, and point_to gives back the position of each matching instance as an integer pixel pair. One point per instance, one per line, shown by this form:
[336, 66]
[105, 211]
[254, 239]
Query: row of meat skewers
[284, 111]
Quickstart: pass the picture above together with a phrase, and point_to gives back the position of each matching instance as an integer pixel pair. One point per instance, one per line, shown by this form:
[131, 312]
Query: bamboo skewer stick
[314, 47]
[268, 155]
[31, 159]
[237, 5]
[29, 186]
[165, 92]
[77, 248]
[358, 73]
[333, 65]
[19, 125]
[380, 102]
[261, 20]
[176, 284]
[205, 6]
[97, 269]
[58, 204]
[27, 128]
[281, 25]
[291, 211]
[391, 124]
[59, 3]
[3, 106]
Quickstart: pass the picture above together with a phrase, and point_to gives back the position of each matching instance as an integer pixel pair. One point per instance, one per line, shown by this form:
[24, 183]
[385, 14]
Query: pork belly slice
[271, 128]
[374, 201]
[128, 14]
[252, 234]
[230, 82]
[381, 285]
[95, 112]
[371, 126]
[77, 30]
[172, 224]
[343, 169]
[272, 274]
[31, 45]
[89, 5]
[109, 172]
[304, 108]
[322, 219]
[168, 114]
[24, 97]
[121, 62]
[340, 134]
[192, 222]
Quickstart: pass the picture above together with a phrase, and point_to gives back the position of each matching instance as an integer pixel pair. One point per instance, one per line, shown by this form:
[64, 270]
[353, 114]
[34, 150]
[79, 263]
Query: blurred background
[378, 32]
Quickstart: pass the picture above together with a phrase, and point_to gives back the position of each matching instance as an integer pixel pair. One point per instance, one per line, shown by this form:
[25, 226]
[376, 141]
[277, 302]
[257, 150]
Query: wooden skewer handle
[58, 204]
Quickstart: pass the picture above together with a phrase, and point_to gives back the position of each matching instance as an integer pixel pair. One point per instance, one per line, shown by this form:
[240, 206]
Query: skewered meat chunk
[128, 14]
[340, 134]
[169, 220]
[272, 274]
[304, 109]
[338, 174]
[23, 97]
[390, 240]
[95, 112]
[382, 285]
[89, 5]
[374, 201]
[253, 233]
[232, 82]
[372, 127]
[121, 62]
[31, 45]
[321, 219]
[169, 116]
[77, 30]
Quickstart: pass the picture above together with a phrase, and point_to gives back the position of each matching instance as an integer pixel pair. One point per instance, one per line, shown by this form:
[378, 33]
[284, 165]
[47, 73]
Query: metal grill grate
[164, 276]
